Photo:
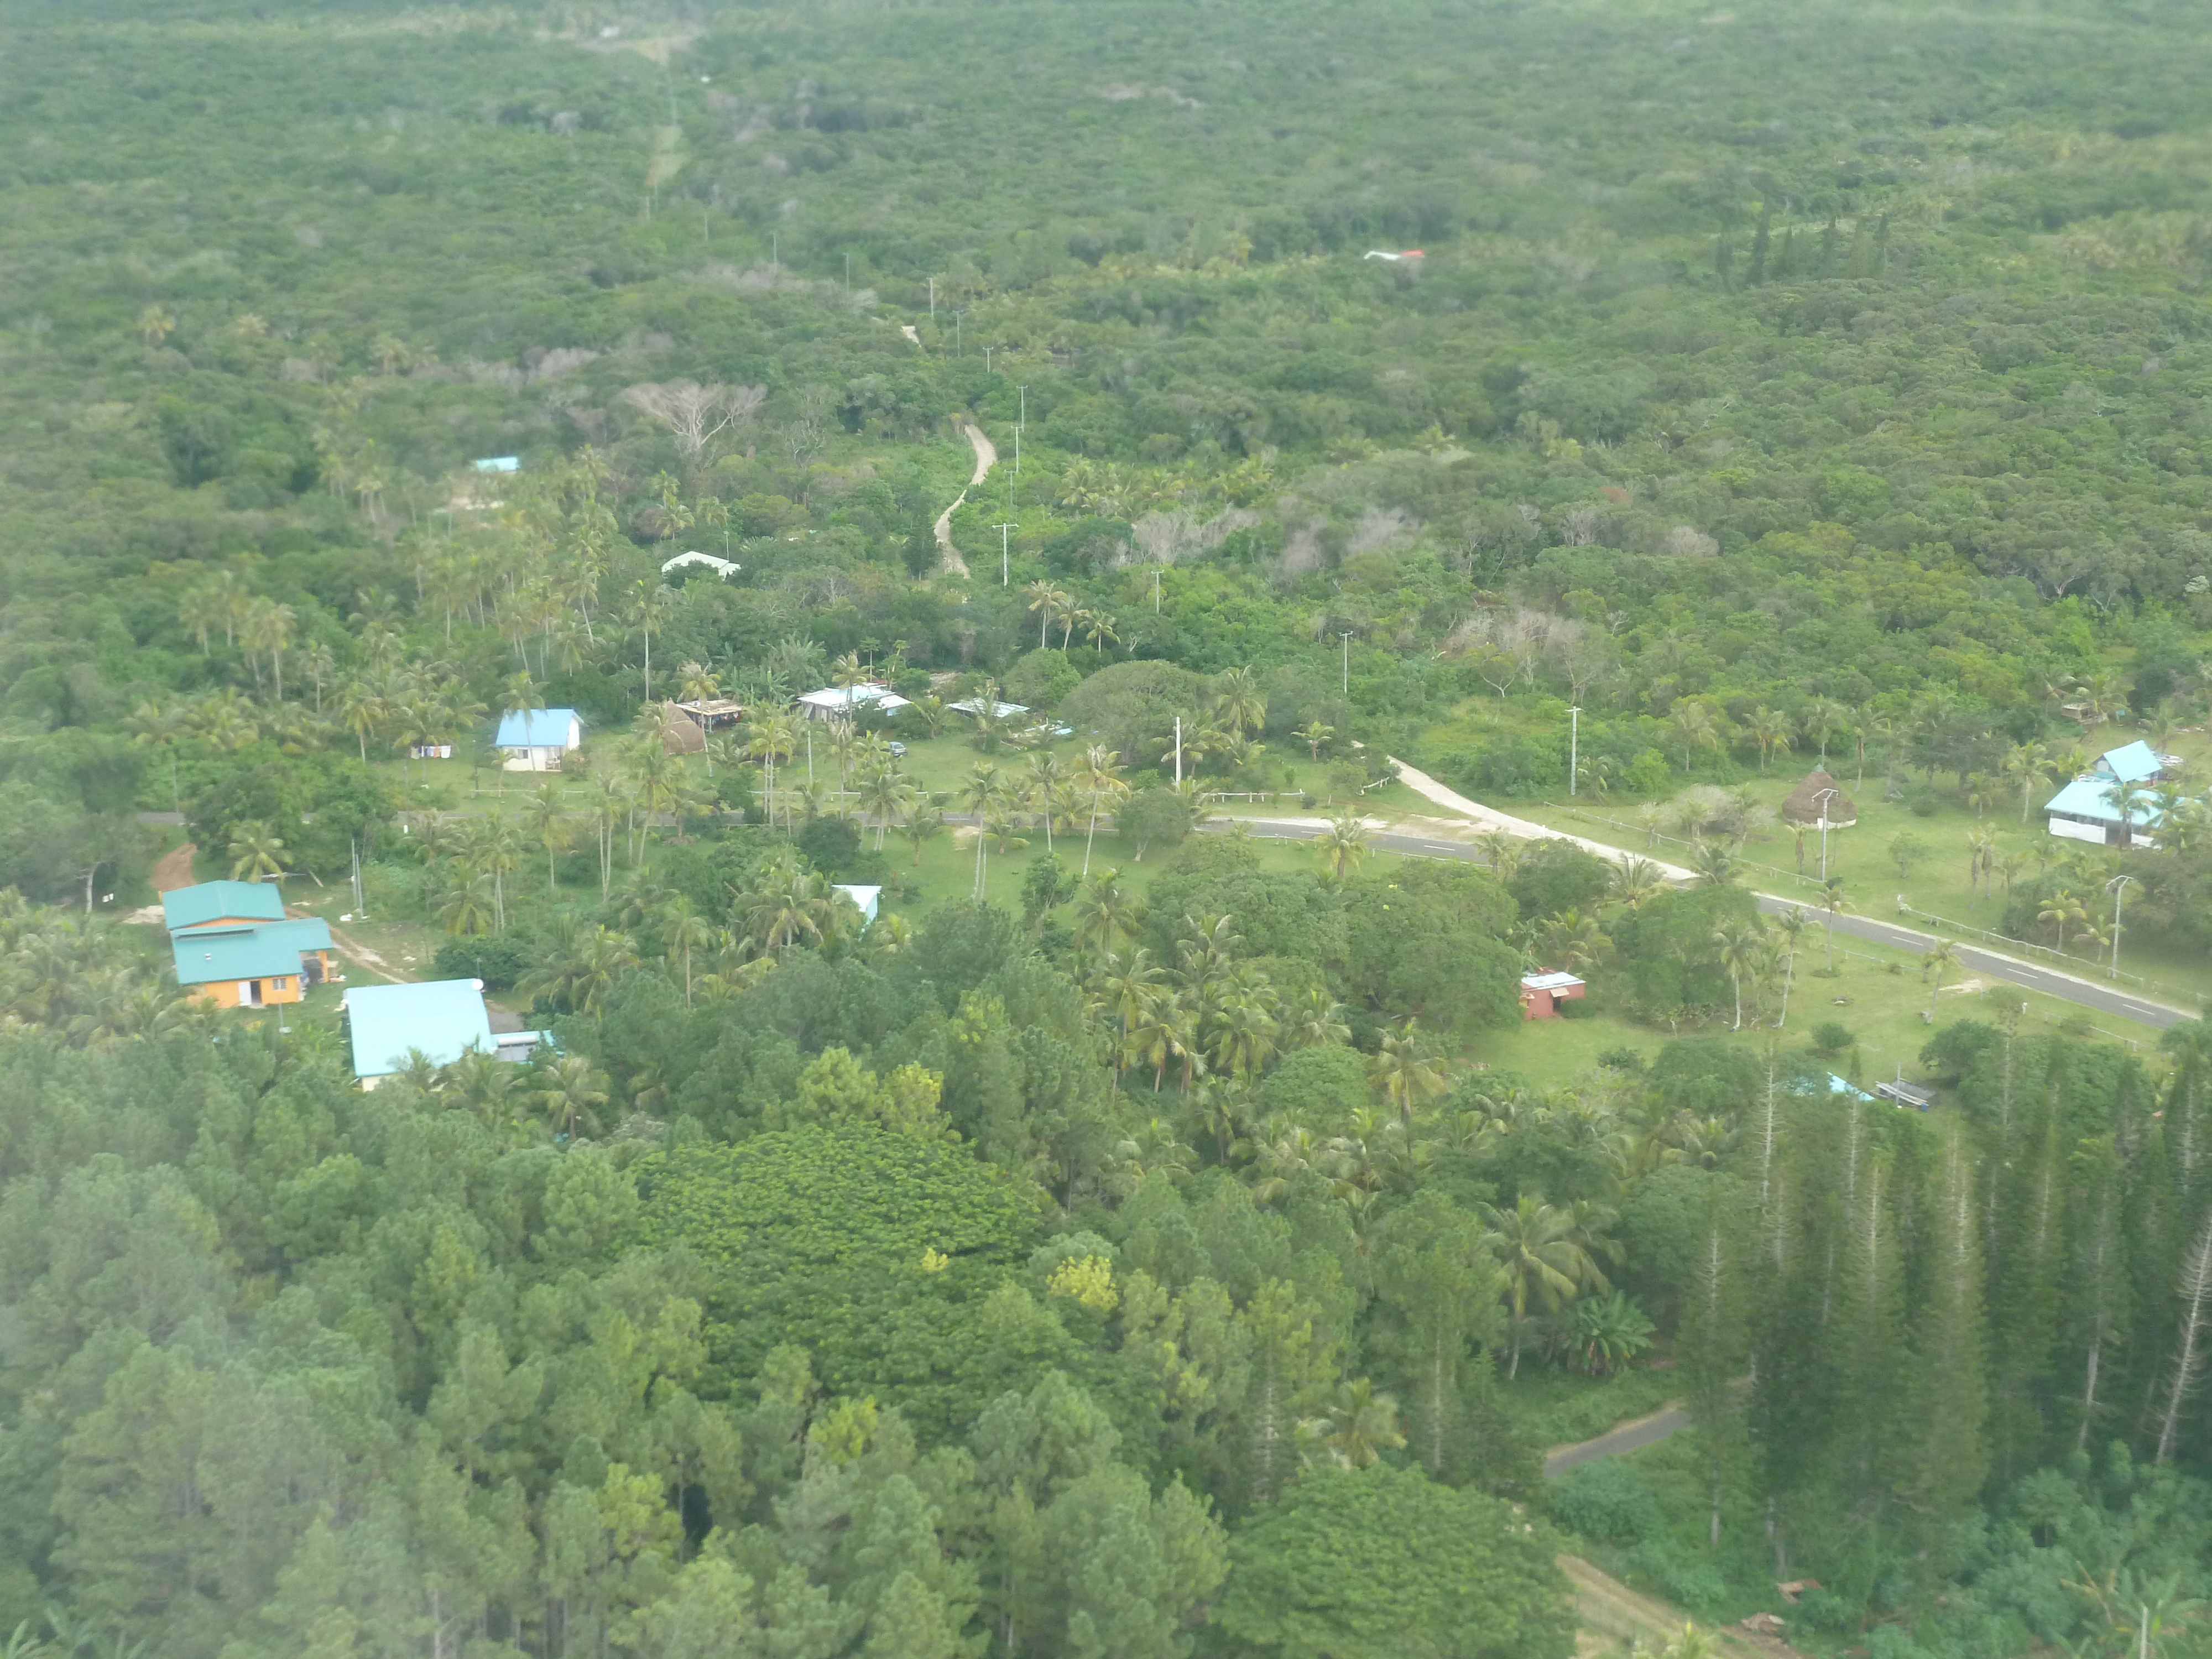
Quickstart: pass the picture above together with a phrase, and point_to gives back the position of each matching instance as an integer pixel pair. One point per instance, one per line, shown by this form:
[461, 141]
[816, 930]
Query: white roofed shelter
[725, 569]
[836, 702]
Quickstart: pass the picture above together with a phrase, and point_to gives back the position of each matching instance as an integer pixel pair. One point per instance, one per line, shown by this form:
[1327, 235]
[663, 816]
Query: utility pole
[2118, 887]
[1178, 752]
[1022, 419]
[1156, 590]
[1574, 747]
[957, 316]
[986, 360]
[848, 273]
[1346, 637]
[933, 299]
[1820, 805]
[1018, 450]
[775, 254]
[1002, 529]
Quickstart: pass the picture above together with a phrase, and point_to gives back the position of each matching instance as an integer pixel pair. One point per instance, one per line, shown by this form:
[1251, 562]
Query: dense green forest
[1117, 1249]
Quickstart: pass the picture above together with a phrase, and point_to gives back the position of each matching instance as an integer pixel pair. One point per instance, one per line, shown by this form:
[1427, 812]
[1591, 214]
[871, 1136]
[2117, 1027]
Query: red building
[1542, 993]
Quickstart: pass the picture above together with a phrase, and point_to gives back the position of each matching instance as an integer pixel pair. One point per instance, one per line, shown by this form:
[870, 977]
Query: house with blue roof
[2110, 804]
[251, 964]
[439, 1020]
[535, 739]
[213, 901]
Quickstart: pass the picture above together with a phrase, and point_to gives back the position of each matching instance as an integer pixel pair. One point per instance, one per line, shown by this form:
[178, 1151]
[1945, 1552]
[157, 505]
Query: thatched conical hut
[680, 730]
[1810, 803]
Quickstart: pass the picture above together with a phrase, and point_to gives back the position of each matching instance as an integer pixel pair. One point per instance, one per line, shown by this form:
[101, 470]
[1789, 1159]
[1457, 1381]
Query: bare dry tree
[693, 412]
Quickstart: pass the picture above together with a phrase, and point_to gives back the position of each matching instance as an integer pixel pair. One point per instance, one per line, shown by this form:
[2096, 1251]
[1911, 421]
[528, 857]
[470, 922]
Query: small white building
[866, 900]
[844, 702]
[536, 739]
[2090, 807]
[725, 569]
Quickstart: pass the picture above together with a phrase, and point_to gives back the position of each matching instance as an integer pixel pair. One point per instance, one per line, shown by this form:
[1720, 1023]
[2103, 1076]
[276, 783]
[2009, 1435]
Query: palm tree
[1831, 899]
[361, 709]
[1238, 700]
[771, 737]
[1714, 861]
[981, 792]
[1106, 913]
[789, 905]
[1047, 785]
[682, 929]
[1770, 729]
[2024, 763]
[649, 606]
[1314, 735]
[1050, 602]
[609, 799]
[466, 908]
[1097, 628]
[1574, 940]
[1739, 944]
[1542, 1250]
[919, 820]
[1344, 843]
[1942, 960]
[883, 793]
[256, 853]
[549, 826]
[1636, 881]
[1355, 1428]
[1405, 1067]
[1692, 727]
[1100, 776]
[570, 1090]
[1823, 719]
[1791, 925]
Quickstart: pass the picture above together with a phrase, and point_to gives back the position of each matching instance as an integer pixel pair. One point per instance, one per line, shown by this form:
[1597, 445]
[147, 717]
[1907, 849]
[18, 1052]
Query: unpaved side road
[987, 456]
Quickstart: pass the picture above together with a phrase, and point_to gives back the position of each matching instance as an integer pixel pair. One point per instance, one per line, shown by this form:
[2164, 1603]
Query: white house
[725, 569]
[2090, 807]
[535, 739]
[843, 701]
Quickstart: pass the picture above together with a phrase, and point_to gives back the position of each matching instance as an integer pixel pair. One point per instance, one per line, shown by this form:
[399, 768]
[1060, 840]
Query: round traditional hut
[1808, 803]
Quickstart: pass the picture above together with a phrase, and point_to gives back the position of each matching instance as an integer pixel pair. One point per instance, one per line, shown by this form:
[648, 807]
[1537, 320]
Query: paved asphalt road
[1613, 1442]
[2012, 970]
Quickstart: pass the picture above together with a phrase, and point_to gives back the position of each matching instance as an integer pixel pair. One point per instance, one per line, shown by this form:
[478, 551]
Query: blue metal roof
[192, 907]
[534, 728]
[261, 950]
[2136, 763]
[2092, 797]
[443, 1017]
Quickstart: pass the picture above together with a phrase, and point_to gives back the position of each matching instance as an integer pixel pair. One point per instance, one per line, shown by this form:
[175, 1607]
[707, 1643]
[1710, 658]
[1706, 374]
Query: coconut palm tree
[548, 824]
[1693, 728]
[1046, 785]
[1099, 775]
[257, 852]
[981, 792]
[882, 793]
[1543, 1251]
[1635, 881]
[1942, 960]
[789, 904]
[770, 738]
[1574, 940]
[1344, 843]
[362, 708]
[1823, 718]
[1790, 925]
[1831, 901]
[920, 819]
[466, 907]
[684, 930]
[1238, 701]
[1714, 861]
[1355, 1427]
[1314, 735]
[1739, 944]
[1050, 602]
[569, 1092]
[1770, 730]
[1405, 1066]
[1106, 913]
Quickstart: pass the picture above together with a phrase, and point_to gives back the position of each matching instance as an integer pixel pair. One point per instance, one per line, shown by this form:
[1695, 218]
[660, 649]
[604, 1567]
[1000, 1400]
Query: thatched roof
[1805, 805]
[681, 734]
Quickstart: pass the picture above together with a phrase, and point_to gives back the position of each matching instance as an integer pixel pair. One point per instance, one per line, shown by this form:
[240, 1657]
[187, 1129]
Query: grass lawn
[1862, 856]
